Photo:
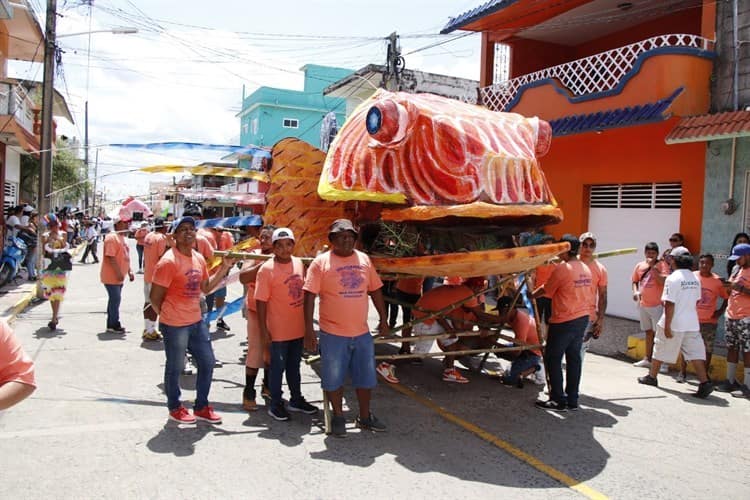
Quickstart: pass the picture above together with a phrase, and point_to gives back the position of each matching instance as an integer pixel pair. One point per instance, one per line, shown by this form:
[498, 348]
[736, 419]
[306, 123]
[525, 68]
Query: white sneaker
[664, 368]
[387, 371]
[644, 363]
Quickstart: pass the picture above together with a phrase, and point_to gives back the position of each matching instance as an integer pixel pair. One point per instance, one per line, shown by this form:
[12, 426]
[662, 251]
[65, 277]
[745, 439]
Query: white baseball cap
[281, 234]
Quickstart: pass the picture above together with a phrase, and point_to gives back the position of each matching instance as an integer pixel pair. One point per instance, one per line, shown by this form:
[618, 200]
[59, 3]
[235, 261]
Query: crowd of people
[679, 311]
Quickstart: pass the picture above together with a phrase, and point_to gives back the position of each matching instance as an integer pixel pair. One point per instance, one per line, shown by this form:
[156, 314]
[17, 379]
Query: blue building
[270, 114]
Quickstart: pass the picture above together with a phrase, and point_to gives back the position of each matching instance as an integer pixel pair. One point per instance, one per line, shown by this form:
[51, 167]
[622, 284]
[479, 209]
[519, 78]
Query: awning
[207, 170]
[242, 199]
[614, 118]
[711, 127]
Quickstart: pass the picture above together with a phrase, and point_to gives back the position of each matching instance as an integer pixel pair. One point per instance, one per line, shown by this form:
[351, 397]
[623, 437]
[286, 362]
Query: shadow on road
[45, 333]
[107, 336]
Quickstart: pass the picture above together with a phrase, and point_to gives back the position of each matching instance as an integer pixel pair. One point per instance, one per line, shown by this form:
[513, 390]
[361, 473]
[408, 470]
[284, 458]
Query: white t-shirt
[683, 289]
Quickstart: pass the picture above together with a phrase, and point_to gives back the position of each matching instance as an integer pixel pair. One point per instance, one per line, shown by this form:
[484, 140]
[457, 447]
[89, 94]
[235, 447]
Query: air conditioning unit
[6, 10]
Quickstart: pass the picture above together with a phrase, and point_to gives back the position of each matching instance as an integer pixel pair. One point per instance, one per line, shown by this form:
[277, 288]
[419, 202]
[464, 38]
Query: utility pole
[45, 154]
[394, 64]
[86, 121]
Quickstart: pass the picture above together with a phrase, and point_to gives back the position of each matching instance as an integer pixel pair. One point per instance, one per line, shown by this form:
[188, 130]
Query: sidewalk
[19, 293]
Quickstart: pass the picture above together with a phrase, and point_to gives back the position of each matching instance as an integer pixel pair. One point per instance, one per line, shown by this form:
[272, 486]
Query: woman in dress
[54, 280]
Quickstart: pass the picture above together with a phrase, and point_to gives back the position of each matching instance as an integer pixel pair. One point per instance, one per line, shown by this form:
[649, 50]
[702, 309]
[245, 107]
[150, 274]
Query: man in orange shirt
[179, 278]
[280, 300]
[258, 354]
[738, 323]
[115, 266]
[525, 362]
[572, 294]
[598, 306]
[16, 369]
[155, 244]
[343, 278]
[460, 318]
[648, 285]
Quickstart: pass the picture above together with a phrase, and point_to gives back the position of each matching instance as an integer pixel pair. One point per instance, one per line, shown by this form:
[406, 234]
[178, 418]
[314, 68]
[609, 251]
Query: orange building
[613, 79]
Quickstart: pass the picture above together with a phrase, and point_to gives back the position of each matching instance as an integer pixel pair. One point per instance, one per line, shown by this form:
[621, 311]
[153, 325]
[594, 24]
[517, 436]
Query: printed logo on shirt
[582, 281]
[707, 297]
[351, 279]
[294, 284]
[193, 284]
[689, 285]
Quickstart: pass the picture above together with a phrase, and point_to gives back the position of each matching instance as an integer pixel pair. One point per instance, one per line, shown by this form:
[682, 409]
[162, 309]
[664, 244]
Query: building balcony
[647, 70]
[17, 116]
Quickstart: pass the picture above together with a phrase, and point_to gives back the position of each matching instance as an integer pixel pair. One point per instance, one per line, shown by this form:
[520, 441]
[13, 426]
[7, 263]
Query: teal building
[271, 114]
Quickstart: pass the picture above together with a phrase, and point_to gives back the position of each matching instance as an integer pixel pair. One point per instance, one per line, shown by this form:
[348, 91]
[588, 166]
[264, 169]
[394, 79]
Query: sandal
[52, 325]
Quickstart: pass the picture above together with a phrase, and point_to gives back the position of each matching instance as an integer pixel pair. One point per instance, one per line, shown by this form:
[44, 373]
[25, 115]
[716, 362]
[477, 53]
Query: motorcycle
[13, 257]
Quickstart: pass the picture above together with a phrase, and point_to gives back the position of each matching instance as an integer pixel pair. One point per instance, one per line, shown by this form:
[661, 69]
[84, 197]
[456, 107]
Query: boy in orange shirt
[280, 302]
[712, 289]
[648, 285]
[115, 266]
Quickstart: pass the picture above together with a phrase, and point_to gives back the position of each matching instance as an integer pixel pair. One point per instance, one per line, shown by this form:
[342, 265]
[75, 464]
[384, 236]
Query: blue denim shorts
[221, 292]
[342, 356]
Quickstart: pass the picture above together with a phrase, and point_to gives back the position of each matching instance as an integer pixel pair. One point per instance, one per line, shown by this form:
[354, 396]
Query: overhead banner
[207, 170]
[242, 150]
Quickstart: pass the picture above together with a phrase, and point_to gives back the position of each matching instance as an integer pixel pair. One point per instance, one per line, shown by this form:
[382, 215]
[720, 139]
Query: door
[631, 215]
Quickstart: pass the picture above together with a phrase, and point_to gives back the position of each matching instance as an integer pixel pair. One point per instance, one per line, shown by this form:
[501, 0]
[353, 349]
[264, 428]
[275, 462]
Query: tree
[67, 174]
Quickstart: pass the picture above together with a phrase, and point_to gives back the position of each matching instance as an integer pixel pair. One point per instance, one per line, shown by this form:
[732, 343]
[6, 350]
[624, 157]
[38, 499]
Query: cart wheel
[326, 413]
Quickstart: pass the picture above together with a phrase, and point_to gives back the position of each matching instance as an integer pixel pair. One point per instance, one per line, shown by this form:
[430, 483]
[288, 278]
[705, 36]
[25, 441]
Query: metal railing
[589, 75]
[14, 100]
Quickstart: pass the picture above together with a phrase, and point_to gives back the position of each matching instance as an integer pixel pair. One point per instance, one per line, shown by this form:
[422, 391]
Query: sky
[181, 77]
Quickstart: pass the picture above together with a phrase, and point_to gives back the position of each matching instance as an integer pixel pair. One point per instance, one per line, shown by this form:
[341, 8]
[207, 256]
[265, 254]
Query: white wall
[625, 228]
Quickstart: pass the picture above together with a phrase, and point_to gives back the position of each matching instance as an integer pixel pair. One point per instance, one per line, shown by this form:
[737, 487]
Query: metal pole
[86, 157]
[96, 173]
[45, 157]
[45, 153]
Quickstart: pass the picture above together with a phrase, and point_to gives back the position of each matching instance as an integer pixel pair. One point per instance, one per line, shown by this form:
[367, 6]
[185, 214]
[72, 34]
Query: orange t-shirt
[15, 365]
[570, 290]
[204, 247]
[250, 287]
[711, 289]
[280, 287]
[154, 246]
[410, 285]
[226, 240]
[739, 303]
[598, 279]
[210, 236]
[441, 297]
[524, 327]
[649, 287]
[542, 274]
[115, 246]
[140, 235]
[182, 277]
[343, 284]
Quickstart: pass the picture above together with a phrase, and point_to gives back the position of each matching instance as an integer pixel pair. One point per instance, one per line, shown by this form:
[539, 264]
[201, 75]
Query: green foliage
[67, 173]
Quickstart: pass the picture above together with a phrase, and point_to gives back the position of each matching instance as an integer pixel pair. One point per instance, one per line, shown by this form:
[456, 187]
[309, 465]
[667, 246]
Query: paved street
[96, 428]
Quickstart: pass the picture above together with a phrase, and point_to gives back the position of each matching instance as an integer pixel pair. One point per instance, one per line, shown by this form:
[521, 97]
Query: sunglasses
[588, 245]
[674, 239]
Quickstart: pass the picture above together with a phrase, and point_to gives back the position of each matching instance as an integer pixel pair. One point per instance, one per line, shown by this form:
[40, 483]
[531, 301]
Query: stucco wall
[718, 228]
[724, 69]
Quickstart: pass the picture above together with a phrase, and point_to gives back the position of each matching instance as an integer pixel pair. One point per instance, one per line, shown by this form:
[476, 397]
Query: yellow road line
[503, 445]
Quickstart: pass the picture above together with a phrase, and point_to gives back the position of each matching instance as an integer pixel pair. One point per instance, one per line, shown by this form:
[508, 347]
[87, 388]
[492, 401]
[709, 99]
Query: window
[255, 126]
[291, 123]
[636, 196]
[11, 196]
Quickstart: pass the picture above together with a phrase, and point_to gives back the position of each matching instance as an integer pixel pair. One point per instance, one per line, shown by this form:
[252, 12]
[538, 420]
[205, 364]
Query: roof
[711, 127]
[476, 13]
[614, 118]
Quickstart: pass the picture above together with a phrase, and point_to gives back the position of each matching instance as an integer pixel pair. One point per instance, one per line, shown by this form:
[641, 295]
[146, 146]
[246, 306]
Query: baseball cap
[159, 222]
[184, 220]
[282, 233]
[738, 251]
[587, 236]
[28, 209]
[684, 252]
[573, 241]
[342, 225]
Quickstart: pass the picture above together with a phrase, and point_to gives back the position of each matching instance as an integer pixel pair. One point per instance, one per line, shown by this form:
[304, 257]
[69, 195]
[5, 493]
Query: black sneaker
[573, 407]
[727, 386]
[742, 392]
[648, 380]
[704, 389]
[303, 406]
[278, 412]
[338, 426]
[551, 405]
[371, 423]
[222, 325]
[118, 328]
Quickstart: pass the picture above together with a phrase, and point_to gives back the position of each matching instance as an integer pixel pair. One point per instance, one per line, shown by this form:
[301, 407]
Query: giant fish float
[437, 186]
